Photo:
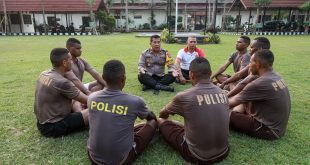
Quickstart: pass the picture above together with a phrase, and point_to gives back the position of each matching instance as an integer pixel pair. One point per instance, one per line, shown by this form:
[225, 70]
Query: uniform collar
[186, 50]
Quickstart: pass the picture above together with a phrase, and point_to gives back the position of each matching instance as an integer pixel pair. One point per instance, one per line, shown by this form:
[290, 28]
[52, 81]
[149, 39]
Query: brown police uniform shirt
[112, 115]
[154, 63]
[239, 61]
[53, 97]
[206, 119]
[78, 67]
[269, 101]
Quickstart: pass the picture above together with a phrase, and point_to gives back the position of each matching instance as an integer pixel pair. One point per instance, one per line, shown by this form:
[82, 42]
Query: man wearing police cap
[152, 67]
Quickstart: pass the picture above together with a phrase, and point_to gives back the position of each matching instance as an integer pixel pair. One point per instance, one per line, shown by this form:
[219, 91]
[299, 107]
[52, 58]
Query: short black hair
[113, 71]
[154, 36]
[262, 42]
[201, 68]
[58, 55]
[265, 57]
[246, 39]
[72, 41]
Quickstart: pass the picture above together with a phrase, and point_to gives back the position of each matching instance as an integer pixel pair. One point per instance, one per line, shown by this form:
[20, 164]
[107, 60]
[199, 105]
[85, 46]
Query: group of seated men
[255, 101]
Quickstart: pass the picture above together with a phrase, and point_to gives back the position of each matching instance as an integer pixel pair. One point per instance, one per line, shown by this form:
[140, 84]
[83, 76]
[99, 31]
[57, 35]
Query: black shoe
[144, 88]
[164, 88]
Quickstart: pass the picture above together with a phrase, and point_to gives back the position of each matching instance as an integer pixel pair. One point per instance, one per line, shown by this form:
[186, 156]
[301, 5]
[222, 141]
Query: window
[118, 17]
[85, 21]
[137, 17]
[15, 18]
[27, 19]
[51, 21]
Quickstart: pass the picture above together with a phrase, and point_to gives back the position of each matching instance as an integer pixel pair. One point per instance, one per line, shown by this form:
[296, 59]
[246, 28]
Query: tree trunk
[126, 10]
[257, 17]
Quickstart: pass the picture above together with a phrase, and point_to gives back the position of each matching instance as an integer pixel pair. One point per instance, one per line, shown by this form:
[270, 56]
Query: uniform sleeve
[67, 88]
[179, 55]
[201, 53]
[88, 67]
[143, 110]
[175, 106]
[141, 63]
[255, 91]
[232, 57]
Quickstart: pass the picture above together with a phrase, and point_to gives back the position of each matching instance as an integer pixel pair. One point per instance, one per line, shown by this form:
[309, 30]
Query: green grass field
[22, 59]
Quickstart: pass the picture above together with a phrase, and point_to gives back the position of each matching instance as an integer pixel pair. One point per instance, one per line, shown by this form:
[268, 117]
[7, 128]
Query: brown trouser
[143, 134]
[245, 123]
[174, 136]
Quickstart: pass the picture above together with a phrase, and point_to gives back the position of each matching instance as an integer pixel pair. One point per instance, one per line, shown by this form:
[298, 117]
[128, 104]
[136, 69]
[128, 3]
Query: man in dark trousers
[204, 137]
[267, 101]
[151, 67]
[113, 138]
[185, 56]
[56, 114]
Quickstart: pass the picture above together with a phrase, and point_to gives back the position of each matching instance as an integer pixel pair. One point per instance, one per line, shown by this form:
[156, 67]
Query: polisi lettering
[101, 106]
[45, 80]
[217, 98]
[278, 85]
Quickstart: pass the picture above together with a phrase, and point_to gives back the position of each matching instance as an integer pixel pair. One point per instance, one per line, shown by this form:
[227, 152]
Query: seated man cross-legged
[151, 67]
[185, 57]
[204, 137]
[56, 114]
[266, 101]
[113, 138]
[239, 59]
[79, 66]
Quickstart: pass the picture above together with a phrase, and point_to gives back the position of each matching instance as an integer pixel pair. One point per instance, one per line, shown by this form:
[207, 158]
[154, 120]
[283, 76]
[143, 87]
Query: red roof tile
[49, 5]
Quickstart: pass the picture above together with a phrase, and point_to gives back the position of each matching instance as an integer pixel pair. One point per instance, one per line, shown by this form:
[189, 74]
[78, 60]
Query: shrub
[166, 37]
[213, 38]
[146, 26]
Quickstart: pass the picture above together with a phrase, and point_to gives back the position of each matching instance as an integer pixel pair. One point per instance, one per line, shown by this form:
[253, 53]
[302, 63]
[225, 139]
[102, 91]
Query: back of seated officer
[113, 137]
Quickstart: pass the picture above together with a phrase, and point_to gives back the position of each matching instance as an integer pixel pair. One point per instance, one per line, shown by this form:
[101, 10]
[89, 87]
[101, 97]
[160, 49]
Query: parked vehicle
[274, 26]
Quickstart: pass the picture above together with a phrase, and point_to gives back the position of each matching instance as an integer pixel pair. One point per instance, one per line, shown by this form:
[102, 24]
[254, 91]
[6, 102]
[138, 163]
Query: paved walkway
[179, 34]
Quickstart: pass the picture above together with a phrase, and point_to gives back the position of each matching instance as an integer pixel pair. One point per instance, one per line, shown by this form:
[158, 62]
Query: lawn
[23, 58]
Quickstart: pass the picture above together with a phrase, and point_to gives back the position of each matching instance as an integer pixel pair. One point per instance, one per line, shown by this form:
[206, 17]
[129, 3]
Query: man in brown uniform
[79, 66]
[267, 98]
[258, 43]
[113, 138]
[239, 59]
[53, 98]
[204, 137]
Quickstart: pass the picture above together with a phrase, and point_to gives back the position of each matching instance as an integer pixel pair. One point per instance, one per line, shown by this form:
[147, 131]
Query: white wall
[17, 28]
[75, 18]
[160, 17]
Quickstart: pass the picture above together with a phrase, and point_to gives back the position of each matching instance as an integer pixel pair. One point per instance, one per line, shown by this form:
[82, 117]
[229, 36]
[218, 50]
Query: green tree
[108, 4]
[107, 20]
[91, 3]
[306, 7]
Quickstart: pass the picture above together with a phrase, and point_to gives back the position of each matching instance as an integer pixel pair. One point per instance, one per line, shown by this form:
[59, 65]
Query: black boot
[164, 88]
[144, 87]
